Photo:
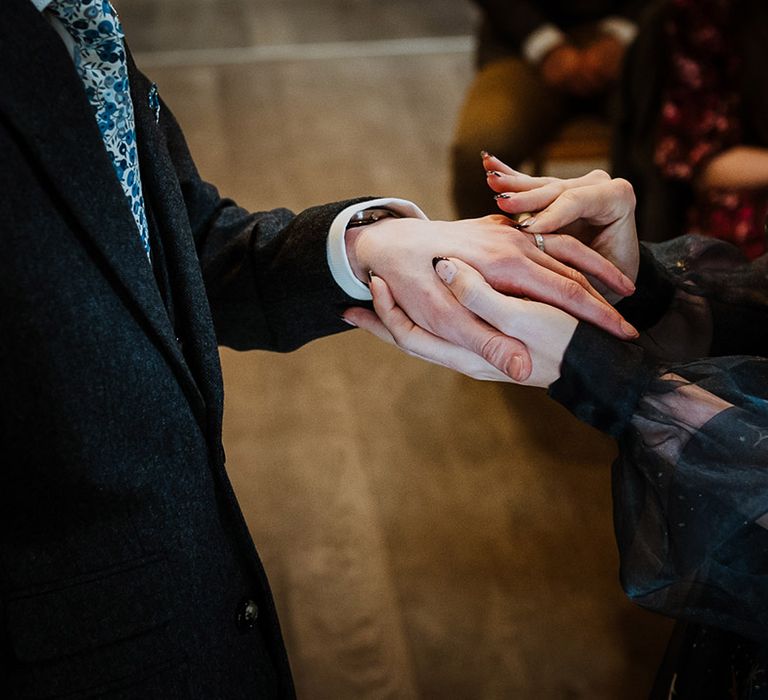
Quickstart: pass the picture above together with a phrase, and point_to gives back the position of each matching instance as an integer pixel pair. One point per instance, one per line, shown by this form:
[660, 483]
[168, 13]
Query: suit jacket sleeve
[268, 283]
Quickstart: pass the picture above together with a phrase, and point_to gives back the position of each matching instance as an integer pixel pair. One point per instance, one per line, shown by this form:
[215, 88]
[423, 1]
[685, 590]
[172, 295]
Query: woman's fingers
[593, 208]
[478, 338]
[392, 325]
[496, 168]
[502, 178]
[506, 313]
[598, 204]
[366, 319]
[545, 330]
[492, 163]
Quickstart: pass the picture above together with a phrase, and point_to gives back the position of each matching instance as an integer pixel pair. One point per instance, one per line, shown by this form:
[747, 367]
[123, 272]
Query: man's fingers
[552, 262]
[569, 294]
[575, 254]
[469, 333]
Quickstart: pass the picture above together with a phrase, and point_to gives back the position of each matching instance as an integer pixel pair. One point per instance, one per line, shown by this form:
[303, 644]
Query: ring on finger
[539, 240]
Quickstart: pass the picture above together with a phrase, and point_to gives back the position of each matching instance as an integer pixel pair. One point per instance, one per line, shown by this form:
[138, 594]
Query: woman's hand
[509, 322]
[595, 208]
[401, 252]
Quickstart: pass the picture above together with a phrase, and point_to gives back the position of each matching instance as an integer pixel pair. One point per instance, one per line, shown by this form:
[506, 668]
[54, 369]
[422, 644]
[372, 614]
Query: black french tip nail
[502, 195]
[484, 153]
[437, 260]
[493, 173]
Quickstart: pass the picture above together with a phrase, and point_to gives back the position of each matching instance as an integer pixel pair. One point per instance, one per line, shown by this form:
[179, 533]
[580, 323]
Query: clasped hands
[480, 297]
[584, 71]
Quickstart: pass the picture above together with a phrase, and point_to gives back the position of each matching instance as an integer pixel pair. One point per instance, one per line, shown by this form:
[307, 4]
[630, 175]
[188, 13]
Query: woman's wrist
[654, 291]
[602, 379]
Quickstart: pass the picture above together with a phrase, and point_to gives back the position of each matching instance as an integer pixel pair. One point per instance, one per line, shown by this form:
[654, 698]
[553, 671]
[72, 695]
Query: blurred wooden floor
[426, 536]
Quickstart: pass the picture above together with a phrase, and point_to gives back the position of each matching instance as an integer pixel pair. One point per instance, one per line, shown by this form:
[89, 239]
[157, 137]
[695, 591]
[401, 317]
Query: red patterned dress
[701, 117]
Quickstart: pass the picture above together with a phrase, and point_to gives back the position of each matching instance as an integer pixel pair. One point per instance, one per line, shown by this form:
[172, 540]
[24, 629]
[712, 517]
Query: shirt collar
[66, 37]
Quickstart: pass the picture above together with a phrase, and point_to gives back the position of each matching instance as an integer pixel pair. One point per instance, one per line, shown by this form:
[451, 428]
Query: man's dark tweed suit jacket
[124, 558]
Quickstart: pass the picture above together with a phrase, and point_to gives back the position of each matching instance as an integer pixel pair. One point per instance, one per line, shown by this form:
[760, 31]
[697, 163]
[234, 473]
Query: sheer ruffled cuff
[655, 289]
[602, 379]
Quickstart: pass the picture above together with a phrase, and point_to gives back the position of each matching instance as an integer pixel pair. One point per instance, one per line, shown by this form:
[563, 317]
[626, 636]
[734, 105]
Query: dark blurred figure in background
[693, 126]
[539, 64]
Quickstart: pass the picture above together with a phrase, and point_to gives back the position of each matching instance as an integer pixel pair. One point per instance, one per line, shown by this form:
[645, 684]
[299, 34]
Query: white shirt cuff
[336, 248]
[540, 42]
[623, 29]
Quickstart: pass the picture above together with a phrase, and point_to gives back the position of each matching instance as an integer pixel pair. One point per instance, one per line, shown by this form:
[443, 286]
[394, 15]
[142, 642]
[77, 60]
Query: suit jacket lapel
[42, 96]
[191, 301]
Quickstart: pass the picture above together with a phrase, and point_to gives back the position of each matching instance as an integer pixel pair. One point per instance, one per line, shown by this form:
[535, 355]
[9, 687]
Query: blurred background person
[539, 64]
[693, 127]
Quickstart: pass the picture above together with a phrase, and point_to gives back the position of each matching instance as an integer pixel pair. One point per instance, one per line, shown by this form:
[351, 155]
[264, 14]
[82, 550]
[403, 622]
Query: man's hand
[595, 209]
[562, 67]
[571, 70]
[545, 330]
[400, 252]
[602, 60]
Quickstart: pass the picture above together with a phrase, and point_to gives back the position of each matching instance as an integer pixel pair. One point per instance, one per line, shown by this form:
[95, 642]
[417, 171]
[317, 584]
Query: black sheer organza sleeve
[691, 480]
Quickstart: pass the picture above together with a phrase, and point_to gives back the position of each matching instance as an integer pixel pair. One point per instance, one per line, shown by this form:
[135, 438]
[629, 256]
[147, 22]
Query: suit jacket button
[247, 614]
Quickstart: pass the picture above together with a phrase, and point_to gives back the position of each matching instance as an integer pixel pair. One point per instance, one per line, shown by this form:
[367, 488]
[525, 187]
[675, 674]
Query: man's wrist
[337, 249]
[365, 217]
[354, 240]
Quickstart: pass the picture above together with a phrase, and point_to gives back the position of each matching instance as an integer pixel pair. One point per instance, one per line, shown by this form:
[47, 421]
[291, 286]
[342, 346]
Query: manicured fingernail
[485, 154]
[492, 173]
[629, 329]
[371, 274]
[525, 223]
[503, 195]
[347, 321]
[446, 270]
[437, 260]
